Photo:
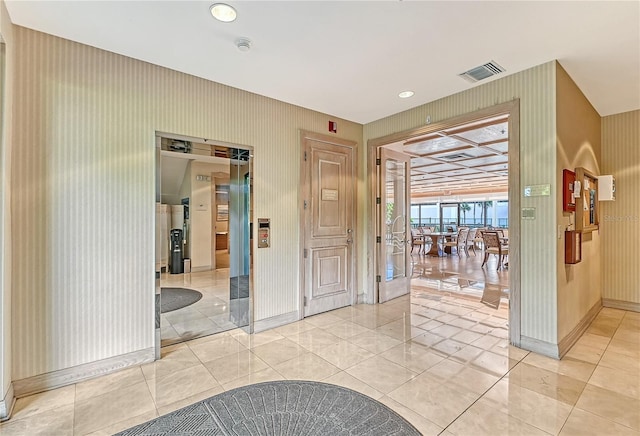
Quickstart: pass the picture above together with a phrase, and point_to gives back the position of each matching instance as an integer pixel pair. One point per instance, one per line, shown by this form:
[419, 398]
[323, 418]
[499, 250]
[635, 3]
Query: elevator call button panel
[264, 232]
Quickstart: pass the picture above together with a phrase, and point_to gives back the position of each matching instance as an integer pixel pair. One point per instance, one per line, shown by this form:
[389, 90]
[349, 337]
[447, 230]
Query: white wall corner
[6, 404]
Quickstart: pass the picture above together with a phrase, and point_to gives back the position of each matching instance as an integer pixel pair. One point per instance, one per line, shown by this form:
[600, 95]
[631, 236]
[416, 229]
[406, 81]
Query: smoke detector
[243, 44]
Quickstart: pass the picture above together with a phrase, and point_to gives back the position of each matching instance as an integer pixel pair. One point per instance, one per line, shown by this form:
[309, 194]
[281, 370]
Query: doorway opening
[203, 238]
[460, 184]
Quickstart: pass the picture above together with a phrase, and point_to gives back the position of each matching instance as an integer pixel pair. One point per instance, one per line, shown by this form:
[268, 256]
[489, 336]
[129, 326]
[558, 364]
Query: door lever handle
[349, 240]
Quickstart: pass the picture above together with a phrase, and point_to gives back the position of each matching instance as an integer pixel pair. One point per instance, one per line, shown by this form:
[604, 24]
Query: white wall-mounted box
[606, 188]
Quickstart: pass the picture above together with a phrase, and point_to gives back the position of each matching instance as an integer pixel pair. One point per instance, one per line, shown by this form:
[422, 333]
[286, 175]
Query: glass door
[394, 253]
[449, 217]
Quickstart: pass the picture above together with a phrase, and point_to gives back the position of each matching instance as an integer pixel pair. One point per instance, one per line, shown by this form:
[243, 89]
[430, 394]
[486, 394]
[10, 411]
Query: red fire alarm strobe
[333, 127]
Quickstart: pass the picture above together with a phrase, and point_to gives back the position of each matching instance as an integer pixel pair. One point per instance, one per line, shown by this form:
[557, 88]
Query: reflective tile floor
[207, 316]
[439, 357]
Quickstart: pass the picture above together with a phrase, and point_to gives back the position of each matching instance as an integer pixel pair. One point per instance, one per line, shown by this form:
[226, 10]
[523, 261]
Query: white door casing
[328, 219]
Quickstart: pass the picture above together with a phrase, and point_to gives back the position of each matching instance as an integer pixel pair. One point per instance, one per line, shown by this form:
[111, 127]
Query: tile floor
[207, 316]
[440, 358]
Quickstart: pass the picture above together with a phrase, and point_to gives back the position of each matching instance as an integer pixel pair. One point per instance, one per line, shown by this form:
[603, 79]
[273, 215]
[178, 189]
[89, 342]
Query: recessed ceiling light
[405, 94]
[223, 12]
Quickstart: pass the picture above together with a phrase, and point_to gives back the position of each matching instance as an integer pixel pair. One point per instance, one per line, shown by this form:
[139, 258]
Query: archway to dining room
[452, 191]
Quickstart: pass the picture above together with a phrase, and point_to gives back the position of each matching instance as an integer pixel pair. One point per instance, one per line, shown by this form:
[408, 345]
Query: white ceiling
[350, 59]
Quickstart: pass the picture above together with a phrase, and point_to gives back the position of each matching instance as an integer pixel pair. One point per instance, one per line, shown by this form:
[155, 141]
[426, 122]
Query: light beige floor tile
[626, 348]
[348, 381]
[611, 405]
[585, 353]
[345, 329]
[50, 421]
[623, 362]
[180, 385]
[279, 351]
[255, 340]
[627, 334]
[456, 374]
[216, 348]
[374, 342]
[344, 354]
[594, 341]
[463, 323]
[549, 383]
[482, 419]
[294, 328]
[605, 330]
[446, 331]
[44, 401]
[173, 360]
[614, 379]
[125, 424]
[467, 336]
[234, 366]
[576, 369]
[427, 339]
[101, 411]
[531, 407]
[439, 403]
[323, 320]
[370, 320]
[493, 363]
[265, 375]
[306, 367]
[486, 342]
[381, 374]
[422, 424]
[609, 312]
[314, 339]
[413, 356]
[581, 423]
[449, 347]
[107, 383]
[429, 324]
[189, 400]
[467, 354]
[400, 330]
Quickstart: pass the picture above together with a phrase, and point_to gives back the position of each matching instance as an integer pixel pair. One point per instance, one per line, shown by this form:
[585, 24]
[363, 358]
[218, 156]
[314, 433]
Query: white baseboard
[569, 340]
[68, 376]
[619, 304]
[540, 347]
[6, 404]
[275, 321]
[200, 268]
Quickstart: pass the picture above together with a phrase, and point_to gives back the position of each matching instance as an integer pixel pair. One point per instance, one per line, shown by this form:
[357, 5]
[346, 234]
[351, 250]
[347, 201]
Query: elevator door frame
[158, 177]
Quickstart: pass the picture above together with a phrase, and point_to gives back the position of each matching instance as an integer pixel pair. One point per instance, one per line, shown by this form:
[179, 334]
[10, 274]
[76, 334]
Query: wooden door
[394, 257]
[327, 223]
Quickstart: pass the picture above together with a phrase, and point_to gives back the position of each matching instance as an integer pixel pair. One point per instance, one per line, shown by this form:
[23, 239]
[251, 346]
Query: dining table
[436, 239]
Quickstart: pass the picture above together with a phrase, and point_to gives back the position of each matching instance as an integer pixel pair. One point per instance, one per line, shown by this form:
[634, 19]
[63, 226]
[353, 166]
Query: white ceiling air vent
[456, 156]
[482, 72]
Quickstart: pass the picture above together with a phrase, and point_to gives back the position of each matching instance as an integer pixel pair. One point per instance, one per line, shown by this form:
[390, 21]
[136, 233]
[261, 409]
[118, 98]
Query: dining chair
[417, 239]
[471, 241]
[493, 245]
[460, 242]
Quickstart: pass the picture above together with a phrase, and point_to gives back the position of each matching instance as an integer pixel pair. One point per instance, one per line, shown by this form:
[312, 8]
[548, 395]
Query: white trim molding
[570, 339]
[540, 347]
[68, 376]
[6, 405]
[275, 321]
[619, 304]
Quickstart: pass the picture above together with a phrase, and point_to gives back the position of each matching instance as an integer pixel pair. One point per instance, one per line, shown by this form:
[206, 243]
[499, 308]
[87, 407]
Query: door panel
[328, 226]
[394, 266]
